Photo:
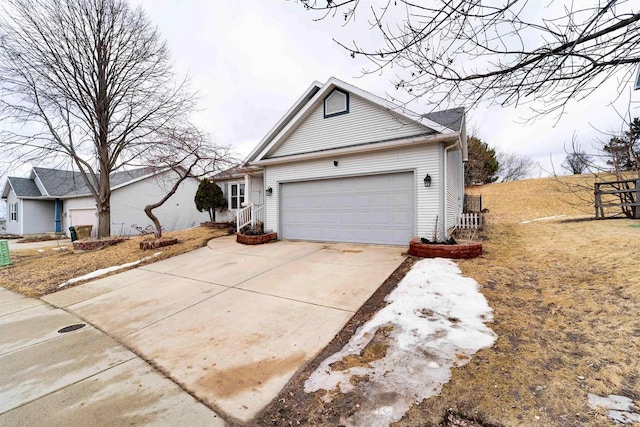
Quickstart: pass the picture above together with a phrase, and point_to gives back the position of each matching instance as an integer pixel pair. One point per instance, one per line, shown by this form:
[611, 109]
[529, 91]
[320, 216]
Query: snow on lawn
[621, 408]
[438, 319]
[103, 271]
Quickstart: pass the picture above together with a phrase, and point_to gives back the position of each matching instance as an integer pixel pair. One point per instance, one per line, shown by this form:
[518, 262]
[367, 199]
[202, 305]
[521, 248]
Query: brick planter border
[92, 245]
[256, 240]
[459, 251]
[216, 225]
[155, 244]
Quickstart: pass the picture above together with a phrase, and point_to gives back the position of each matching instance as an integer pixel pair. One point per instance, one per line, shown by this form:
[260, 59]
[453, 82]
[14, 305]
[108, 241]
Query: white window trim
[13, 212]
[244, 196]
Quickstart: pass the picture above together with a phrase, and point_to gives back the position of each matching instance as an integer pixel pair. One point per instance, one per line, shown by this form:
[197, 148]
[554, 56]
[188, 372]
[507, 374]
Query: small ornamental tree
[209, 197]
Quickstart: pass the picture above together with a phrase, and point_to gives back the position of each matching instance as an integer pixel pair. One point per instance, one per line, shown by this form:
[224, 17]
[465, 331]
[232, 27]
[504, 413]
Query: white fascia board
[6, 189]
[268, 137]
[149, 175]
[357, 149]
[401, 111]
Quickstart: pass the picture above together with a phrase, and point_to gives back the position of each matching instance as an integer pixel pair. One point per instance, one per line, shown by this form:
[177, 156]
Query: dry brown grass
[35, 273]
[566, 296]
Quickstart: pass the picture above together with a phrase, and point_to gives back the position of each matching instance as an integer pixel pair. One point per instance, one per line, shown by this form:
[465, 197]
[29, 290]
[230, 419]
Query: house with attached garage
[51, 200]
[344, 165]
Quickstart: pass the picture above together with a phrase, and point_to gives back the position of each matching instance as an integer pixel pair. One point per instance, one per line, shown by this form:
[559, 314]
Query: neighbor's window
[13, 209]
[336, 103]
[237, 195]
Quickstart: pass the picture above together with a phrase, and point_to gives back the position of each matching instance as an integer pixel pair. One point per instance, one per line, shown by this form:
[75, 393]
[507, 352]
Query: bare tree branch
[466, 51]
[86, 83]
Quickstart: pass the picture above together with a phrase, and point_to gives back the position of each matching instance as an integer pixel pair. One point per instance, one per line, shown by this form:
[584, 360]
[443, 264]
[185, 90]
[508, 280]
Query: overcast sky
[250, 60]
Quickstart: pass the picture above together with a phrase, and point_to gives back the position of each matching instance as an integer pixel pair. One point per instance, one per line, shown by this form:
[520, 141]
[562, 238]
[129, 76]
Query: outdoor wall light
[427, 181]
[269, 191]
[335, 163]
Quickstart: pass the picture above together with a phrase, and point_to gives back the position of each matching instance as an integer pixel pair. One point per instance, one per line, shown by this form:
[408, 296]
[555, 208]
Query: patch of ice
[103, 271]
[621, 408]
[438, 318]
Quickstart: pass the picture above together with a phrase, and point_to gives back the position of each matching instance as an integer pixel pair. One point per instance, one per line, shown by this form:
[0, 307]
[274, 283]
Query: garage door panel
[367, 209]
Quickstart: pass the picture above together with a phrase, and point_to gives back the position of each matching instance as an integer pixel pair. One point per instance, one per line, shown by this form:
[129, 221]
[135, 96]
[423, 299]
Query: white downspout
[446, 183]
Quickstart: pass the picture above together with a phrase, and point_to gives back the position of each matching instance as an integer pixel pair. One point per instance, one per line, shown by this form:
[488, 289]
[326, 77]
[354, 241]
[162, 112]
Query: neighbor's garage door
[367, 209]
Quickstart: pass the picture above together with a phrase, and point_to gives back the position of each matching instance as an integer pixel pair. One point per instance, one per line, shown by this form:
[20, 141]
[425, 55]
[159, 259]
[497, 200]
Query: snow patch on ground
[546, 218]
[621, 408]
[103, 271]
[438, 318]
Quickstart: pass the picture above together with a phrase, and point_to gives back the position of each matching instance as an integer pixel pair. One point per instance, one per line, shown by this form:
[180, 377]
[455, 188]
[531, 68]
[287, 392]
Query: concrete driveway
[231, 323]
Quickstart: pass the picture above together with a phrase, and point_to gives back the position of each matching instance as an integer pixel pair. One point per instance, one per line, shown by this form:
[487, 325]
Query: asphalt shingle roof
[451, 118]
[24, 187]
[60, 183]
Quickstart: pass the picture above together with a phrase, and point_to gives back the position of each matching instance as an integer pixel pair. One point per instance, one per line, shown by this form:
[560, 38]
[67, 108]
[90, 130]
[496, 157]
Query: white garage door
[84, 217]
[367, 209]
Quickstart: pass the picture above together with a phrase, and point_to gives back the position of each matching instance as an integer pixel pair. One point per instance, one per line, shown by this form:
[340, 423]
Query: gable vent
[336, 103]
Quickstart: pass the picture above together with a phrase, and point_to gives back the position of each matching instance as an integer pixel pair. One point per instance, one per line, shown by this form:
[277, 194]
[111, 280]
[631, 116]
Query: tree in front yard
[210, 198]
[87, 84]
[185, 153]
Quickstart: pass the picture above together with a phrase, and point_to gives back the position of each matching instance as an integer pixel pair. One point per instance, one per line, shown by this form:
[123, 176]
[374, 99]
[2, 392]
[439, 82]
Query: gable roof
[23, 187]
[60, 183]
[63, 183]
[317, 92]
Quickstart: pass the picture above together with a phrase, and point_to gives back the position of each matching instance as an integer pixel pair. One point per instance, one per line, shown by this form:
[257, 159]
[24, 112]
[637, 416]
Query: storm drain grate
[71, 328]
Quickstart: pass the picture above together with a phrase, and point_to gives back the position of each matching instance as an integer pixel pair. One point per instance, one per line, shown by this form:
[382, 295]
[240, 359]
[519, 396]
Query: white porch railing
[470, 221]
[249, 215]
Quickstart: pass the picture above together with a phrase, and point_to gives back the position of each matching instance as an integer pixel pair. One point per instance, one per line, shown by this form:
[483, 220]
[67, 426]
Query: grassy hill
[537, 198]
[566, 298]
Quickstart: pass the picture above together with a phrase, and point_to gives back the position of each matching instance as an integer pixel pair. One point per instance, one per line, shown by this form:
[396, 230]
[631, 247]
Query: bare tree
[87, 84]
[185, 153]
[513, 167]
[508, 52]
[577, 160]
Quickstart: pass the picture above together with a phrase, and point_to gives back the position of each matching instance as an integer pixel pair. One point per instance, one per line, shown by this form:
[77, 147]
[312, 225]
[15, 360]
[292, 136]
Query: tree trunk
[212, 214]
[154, 219]
[104, 223]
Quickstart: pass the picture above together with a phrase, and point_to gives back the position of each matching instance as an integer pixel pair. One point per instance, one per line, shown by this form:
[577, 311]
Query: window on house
[336, 103]
[236, 198]
[13, 209]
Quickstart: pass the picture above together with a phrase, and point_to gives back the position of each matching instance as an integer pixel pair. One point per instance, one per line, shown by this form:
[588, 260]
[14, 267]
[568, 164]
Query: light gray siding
[454, 187]
[365, 122]
[37, 216]
[177, 213]
[421, 159]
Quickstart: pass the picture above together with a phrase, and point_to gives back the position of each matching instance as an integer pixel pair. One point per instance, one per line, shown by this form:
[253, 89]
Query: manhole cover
[71, 328]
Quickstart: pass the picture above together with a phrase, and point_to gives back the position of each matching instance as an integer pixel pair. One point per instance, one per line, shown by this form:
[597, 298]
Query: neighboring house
[344, 165]
[51, 200]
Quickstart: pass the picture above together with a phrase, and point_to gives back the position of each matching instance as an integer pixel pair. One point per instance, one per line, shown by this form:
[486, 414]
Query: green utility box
[5, 259]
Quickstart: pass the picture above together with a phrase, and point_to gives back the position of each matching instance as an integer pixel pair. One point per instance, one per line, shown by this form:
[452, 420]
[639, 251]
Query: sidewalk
[81, 377]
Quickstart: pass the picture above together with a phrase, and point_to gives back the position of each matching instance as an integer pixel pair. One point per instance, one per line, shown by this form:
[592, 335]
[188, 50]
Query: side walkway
[80, 378]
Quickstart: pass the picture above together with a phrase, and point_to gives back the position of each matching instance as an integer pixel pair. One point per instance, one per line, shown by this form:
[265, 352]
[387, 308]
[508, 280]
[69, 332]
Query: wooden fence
[623, 196]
